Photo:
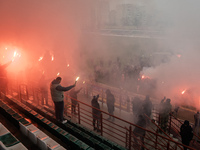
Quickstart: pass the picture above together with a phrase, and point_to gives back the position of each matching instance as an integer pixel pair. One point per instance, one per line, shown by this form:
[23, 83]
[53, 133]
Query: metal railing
[117, 130]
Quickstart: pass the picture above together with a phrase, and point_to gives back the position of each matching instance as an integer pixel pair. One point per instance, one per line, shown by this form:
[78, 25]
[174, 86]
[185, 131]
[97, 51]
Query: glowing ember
[52, 58]
[77, 78]
[183, 92]
[58, 73]
[40, 58]
[83, 82]
[145, 77]
[68, 65]
[6, 48]
[15, 55]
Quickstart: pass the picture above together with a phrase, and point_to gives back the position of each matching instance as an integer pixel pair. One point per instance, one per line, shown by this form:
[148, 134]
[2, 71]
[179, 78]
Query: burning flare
[183, 92]
[145, 77]
[40, 58]
[52, 58]
[77, 78]
[58, 73]
[15, 55]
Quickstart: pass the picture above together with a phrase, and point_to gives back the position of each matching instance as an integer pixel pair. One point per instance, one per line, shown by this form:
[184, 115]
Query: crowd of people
[125, 75]
[142, 109]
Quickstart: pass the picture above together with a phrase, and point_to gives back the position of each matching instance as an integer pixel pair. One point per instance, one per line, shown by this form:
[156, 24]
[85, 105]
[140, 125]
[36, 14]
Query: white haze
[55, 25]
[182, 38]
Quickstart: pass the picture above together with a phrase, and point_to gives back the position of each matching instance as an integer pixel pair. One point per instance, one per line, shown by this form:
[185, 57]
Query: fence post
[87, 91]
[102, 96]
[156, 139]
[120, 101]
[101, 123]
[130, 131]
[168, 145]
[170, 122]
[79, 117]
[126, 143]
[27, 96]
[20, 97]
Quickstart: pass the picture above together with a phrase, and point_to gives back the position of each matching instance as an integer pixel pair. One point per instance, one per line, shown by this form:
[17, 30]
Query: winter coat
[110, 99]
[186, 132]
[57, 91]
[95, 112]
[142, 123]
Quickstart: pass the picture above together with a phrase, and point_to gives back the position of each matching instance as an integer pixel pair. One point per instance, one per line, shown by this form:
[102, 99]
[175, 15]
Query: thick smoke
[41, 28]
[181, 72]
[45, 28]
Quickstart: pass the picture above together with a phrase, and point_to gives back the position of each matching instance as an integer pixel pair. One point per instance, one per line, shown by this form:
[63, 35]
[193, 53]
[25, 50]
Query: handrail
[117, 129]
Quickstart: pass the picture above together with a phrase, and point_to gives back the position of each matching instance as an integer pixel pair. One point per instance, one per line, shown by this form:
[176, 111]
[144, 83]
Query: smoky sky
[38, 26]
[182, 37]
[44, 24]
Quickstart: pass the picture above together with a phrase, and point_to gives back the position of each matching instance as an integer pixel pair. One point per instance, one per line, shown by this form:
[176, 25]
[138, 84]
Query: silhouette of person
[110, 100]
[73, 95]
[96, 113]
[186, 133]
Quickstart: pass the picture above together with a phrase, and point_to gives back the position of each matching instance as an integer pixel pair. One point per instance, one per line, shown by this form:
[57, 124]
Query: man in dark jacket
[57, 95]
[110, 99]
[73, 95]
[96, 113]
[165, 109]
[147, 106]
[186, 133]
[139, 132]
[196, 123]
[136, 106]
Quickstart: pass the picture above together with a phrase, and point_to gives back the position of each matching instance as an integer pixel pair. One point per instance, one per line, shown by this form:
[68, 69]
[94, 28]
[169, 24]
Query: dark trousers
[98, 122]
[59, 110]
[185, 142]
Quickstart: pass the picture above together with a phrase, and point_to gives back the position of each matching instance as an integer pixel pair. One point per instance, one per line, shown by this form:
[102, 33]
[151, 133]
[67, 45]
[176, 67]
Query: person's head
[147, 97]
[58, 79]
[168, 100]
[108, 91]
[186, 123]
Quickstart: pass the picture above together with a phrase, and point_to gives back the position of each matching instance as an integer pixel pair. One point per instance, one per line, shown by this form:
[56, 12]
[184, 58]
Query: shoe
[64, 121]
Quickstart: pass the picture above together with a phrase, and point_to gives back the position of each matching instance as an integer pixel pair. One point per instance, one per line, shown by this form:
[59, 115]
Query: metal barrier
[117, 130]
